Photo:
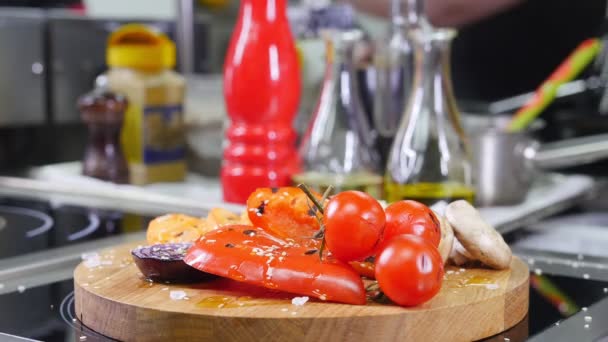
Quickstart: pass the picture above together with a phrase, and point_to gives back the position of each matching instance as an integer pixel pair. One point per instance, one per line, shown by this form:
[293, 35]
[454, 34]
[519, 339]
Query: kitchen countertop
[550, 194]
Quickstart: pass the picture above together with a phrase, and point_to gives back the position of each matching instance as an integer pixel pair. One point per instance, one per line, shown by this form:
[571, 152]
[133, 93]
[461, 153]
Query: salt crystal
[299, 301]
[2, 286]
[588, 319]
[294, 313]
[165, 289]
[91, 260]
[450, 272]
[74, 320]
[52, 306]
[85, 256]
[585, 276]
[584, 309]
[538, 271]
[605, 289]
[177, 295]
[531, 261]
[492, 286]
[462, 270]
[556, 323]
[83, 338]
[21, 288]
[507, 339]
[586, 326]
[284, 309]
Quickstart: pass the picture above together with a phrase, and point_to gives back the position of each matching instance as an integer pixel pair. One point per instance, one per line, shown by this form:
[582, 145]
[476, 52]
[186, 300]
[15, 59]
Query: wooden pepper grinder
[103, 112]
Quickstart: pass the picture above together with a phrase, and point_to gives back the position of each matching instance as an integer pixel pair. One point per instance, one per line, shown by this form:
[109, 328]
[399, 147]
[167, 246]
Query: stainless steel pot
[505, 164]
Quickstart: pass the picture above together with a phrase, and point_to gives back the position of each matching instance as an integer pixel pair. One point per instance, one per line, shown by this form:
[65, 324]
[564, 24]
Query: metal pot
[505, 164]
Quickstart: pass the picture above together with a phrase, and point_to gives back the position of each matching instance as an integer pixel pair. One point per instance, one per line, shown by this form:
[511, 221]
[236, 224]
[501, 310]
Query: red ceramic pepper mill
[262, 92]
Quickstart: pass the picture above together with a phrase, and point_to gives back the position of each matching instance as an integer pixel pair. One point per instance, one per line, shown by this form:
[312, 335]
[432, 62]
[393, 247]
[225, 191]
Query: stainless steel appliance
[505, 164]
[77, 55]
[23, 66]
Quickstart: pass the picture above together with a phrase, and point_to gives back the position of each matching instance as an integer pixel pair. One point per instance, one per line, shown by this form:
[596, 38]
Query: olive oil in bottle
[429, 193]
[429, 159]
[338, 146]
[362, 181]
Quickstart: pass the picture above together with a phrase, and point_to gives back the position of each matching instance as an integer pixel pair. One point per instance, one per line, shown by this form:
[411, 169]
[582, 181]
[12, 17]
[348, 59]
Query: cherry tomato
[409, 270]
[353, 222]
[411, 217]
[285, 212]
[254, 256]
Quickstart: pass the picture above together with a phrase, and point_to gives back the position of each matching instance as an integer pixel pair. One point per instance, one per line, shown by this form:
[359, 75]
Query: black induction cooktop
[28, 225]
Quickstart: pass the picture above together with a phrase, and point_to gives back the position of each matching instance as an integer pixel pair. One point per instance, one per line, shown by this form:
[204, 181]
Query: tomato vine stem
[321, 233]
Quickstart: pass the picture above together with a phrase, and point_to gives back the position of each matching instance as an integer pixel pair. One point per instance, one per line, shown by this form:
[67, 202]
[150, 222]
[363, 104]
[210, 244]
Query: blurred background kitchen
[495, 59]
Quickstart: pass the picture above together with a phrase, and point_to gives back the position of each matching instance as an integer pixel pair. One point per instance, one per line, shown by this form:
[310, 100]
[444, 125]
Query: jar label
[164, 134]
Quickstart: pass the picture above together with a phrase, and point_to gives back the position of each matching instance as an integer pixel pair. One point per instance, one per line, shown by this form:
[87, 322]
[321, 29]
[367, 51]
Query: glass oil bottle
[429, 160]
[337, 149]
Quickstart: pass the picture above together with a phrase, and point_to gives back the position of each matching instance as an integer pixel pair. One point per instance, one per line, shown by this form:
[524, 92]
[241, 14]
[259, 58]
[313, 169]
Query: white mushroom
[447, 238]
[478, 238]
[459, 255]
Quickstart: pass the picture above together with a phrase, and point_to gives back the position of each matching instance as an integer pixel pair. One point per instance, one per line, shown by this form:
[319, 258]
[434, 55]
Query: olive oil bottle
[338, 146]
[429, 160]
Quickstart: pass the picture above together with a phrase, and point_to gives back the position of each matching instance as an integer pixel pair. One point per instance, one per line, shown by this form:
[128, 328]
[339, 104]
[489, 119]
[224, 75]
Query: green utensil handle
[576, 62]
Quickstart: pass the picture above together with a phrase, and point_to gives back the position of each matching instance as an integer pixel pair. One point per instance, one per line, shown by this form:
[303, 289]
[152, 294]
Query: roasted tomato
[285, 212]
[254, 256]
[353, 222]
[411, 217]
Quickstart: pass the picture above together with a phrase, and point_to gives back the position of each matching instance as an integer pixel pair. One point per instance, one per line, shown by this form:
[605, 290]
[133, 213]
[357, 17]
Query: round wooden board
[114, 299]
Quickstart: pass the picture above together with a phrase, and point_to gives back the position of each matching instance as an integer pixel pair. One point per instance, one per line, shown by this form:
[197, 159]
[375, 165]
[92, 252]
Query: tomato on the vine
[411, 217]
[409, 270]
[354, 222]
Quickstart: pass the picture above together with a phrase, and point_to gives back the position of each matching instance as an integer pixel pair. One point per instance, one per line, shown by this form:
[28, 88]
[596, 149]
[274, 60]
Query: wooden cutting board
[114, 299]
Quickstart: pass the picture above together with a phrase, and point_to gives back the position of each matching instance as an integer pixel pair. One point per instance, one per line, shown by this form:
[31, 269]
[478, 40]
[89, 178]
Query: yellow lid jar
[141, 62]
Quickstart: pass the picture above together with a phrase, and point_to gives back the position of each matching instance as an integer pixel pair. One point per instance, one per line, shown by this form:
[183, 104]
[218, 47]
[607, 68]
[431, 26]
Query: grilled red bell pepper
[254, 256]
